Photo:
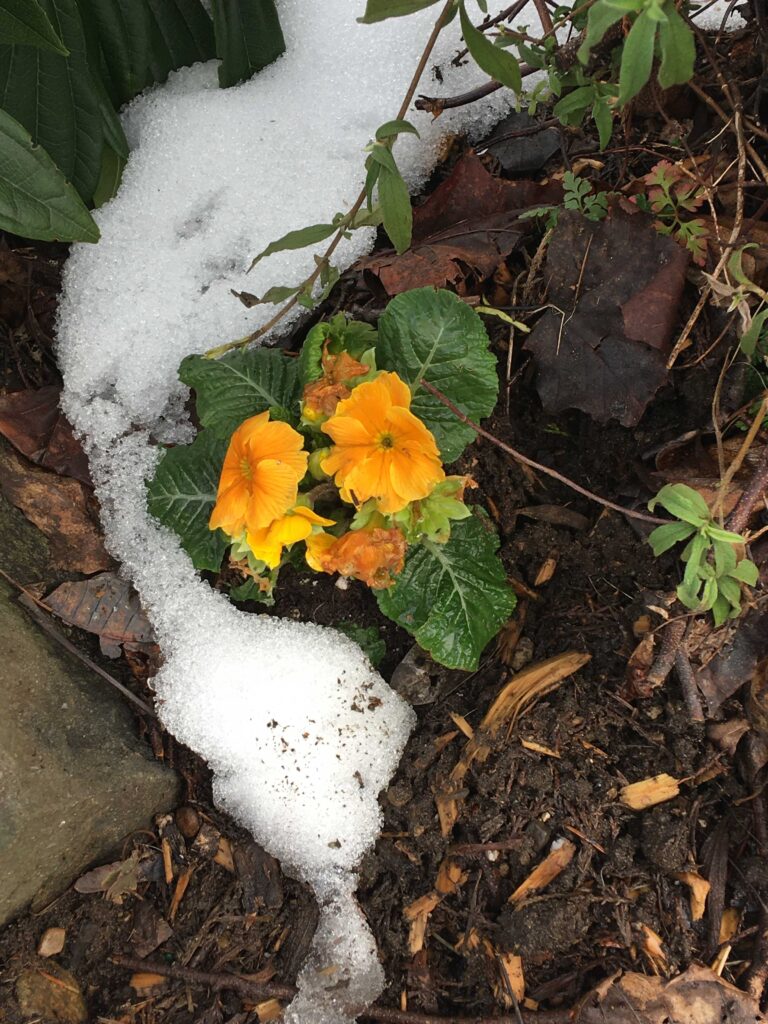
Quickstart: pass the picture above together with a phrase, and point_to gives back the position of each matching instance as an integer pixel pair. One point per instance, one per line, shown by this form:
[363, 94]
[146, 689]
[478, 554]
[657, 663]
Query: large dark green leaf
[248, 37]
[181, 33]
[637, 57]
[35, 198]
[432, 335]
[183, 493]
[452, 597]
[499, 64]
[55, 99]
[240, 385]
[26, 23]
[678, 49]
[121, 28]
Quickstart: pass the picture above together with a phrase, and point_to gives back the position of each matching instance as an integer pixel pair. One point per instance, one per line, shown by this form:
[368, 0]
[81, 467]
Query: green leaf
[725, 557]
[499, 64]
[242, 384]
[452, 597]
[248, 38]
[36, 201]
[678, 49]
[636, 58]
[55, 99]
[297, 240]
[396, 212]
[727, 536]
[683, 502]
[391, 129]
[750, 338]
[367, 637]
[601, 112]
[26, 23]
[570, 109]
[183, 493]
[112, 165]
[380, 10]
[746, 572]
[180, 33]
[121, 34]
[721, 610]
[600, 18]
[429, 334]
[689, 595]
[311, 355]
[731, 591]
[665, 537]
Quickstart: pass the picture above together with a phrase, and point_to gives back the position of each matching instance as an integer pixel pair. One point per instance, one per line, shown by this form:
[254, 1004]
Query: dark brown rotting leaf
[150, 929]
[259, 876]
[59, 507]
[35, 425]
[697, 996]
[736, 664]
[616, 286]
[107, 606]
[468, 225]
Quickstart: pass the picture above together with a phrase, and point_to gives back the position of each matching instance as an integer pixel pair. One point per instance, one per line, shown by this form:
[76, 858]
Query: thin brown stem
[309, 283]
[519, 457]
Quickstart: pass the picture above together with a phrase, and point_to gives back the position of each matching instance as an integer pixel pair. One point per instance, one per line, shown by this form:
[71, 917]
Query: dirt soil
[587, 581]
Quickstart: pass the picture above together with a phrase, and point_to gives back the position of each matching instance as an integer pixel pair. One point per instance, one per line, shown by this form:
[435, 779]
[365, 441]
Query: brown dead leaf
[699, 891]
[727, 734]
[469, 224]
[649, 792]
[556, 861]
[35, 425]
[58, 506]
[105, 605]
[638, 666]
[119, 878]
[736, 663]
[616, 287]
[51, 942]
[698, 996]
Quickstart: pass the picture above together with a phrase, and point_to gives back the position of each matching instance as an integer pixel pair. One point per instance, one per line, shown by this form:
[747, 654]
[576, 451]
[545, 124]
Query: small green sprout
[714, 574]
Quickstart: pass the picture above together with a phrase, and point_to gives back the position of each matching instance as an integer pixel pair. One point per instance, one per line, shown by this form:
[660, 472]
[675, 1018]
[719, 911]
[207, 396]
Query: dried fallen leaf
[469, 224]
[648, 792]
[51, 942]
[35, 425]
[117, 879]
[698, 996]
[699, 891]
[58, 506]
[556, 861]
[105, 605]
[727, 734]
[737, 663]
[615, 286]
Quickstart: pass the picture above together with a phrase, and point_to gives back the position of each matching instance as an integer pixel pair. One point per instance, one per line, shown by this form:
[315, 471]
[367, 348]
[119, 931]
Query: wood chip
[146, 979]
[270, 1009]
[450, 876]
[223, 855]
[51, 942]
[463, 724]
[539, 748]
[418, 913]
[553, 864]
[546, 572]
[178, 893]
[652, 946]
[699, 891]
[649, 792]
[513, 978]
[730, 923]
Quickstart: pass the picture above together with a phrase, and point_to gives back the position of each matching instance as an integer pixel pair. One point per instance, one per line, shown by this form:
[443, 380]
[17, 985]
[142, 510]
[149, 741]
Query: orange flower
[321, 396]
[375, 555]
[267, 543]
[381, 450]
[260, 476]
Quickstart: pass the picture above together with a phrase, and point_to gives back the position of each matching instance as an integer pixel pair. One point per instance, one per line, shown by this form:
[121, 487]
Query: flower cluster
[383, 485]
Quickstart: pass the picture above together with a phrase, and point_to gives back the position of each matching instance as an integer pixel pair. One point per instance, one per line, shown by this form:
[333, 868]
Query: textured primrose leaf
[428, 334]
[36, 200]
[183, 493]
[684, 503]
[452, 597]
[240, 385]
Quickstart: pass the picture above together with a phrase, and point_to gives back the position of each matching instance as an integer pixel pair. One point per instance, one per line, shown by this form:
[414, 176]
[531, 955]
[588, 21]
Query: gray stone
[74, 777]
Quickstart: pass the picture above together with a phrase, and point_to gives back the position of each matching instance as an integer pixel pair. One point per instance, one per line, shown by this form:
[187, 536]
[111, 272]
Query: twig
[308, 284]
[688, 685]
[256, 991]
[437, 104]
[746, 444]
[671, 639]
[739, 518]
[519, 457]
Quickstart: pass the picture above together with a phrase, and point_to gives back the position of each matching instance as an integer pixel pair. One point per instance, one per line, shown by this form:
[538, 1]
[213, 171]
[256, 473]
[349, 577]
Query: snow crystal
[300, 731]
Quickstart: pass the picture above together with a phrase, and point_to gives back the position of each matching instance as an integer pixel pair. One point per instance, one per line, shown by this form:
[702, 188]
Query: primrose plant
[714, 571]
[335, 462]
